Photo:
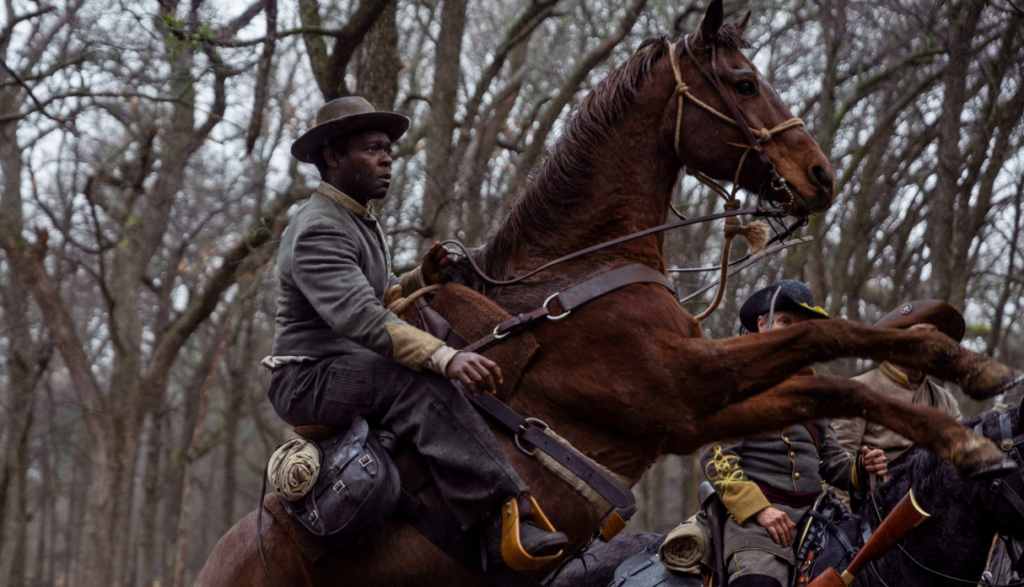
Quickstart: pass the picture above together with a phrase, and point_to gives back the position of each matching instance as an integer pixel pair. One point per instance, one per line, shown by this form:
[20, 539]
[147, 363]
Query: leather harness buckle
[365, 460]
[550, 316]
[522, 428]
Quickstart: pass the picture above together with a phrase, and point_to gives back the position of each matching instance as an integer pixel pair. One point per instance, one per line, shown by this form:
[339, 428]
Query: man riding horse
[902, 382]
[340, 354]
[767, 482]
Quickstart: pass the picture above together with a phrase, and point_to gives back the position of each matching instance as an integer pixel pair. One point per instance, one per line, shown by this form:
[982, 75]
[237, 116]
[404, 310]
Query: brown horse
[630, 376]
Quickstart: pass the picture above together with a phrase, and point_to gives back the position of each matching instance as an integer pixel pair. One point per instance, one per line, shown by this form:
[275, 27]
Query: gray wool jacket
[334, 269]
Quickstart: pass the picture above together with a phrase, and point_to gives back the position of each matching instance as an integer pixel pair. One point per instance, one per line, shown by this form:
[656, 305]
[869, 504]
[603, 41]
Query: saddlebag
[356, 492]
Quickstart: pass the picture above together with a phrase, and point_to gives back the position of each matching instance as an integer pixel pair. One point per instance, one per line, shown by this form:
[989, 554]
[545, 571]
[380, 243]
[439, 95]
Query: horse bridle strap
[736, 118]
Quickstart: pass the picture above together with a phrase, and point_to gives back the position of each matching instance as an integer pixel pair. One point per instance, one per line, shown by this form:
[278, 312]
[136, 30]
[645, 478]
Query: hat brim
[759, 303]
[938, 313]
[306, 147]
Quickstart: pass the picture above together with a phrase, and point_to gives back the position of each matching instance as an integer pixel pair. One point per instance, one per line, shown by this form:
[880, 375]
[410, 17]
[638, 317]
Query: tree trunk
[148, 569]
[377, 62]
[439, 192]
[191, 454]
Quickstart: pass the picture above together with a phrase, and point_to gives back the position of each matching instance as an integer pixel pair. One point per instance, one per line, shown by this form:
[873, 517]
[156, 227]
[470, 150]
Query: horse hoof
[980, 459]
[992, 379]
[993, 471]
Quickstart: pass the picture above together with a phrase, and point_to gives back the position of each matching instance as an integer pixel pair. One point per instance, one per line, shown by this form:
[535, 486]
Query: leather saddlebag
[356, 492]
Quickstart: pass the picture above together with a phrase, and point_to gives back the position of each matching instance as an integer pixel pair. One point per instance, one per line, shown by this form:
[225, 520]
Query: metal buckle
[314, 517]
[339, 487]
[498, 336]
[539, 423]
[552, 318]
[365, 460]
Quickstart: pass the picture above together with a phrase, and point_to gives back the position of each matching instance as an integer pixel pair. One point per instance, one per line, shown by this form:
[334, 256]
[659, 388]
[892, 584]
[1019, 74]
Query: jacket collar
[898, 377]
[364, 212]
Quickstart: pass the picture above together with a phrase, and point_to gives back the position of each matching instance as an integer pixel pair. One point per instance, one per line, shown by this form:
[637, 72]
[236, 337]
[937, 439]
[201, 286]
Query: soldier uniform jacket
[334, 268]
[785, 462]
[888, 381]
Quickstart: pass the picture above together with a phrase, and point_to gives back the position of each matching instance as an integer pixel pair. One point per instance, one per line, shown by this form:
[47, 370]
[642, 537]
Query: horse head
[725, 87]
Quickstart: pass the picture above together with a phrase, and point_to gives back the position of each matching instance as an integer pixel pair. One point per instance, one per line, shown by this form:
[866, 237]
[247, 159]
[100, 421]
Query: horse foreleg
[734, 369]
[807, 398]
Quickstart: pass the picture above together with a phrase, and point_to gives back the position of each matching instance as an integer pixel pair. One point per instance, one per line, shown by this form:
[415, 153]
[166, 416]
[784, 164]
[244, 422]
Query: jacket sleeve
[741, 496]
[410, 282]
[945, 401]
[850, 433]
[326, 270]
[839, 467]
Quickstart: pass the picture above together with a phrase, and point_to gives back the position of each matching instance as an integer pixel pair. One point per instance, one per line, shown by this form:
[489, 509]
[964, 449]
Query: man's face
[781, 320]
[364, 172]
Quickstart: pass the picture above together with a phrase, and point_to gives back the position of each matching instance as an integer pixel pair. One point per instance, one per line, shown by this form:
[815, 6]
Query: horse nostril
[823, 177]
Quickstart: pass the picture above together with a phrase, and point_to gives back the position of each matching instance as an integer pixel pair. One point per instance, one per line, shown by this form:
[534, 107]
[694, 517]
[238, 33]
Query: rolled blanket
[683, 547]
[293, 468]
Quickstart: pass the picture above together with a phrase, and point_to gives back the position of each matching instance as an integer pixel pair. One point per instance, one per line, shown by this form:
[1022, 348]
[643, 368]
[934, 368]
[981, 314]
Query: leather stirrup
[511, 548]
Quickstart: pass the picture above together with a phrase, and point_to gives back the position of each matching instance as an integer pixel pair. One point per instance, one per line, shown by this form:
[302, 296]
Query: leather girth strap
[443, 531]
[573, 297]
[525, 430]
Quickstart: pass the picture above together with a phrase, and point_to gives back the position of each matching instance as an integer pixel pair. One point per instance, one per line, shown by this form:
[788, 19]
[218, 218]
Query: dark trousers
[471, 471]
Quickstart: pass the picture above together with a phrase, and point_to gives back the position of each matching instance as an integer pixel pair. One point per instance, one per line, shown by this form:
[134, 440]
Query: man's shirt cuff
[439, 359]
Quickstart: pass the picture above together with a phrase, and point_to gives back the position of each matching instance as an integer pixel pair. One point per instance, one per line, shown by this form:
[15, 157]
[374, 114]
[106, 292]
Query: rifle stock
[906, 516]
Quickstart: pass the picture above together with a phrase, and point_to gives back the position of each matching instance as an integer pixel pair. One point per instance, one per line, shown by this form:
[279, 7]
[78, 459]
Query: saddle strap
[617, 494]
[573, 297]
[465, 547]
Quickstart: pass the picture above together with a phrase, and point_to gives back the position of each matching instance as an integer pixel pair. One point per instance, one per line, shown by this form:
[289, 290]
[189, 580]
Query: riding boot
[755, 581]
[535, 541]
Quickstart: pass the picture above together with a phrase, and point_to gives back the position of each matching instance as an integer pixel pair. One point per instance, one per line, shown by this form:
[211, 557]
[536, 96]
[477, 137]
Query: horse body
[630, 376]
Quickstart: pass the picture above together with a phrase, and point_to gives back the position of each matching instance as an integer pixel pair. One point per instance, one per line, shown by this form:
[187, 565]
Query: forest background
[146, 182]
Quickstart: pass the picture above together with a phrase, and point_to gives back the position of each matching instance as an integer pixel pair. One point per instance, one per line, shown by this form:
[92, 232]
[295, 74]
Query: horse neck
[955, 541]
[586, 194]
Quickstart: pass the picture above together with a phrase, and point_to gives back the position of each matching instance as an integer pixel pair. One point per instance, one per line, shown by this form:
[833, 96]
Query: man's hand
[435, 262]
[778, 524]
[874, 461]
[478, 373]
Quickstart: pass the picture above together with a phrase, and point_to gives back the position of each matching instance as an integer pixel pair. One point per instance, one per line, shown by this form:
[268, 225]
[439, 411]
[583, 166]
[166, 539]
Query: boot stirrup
[512, 550]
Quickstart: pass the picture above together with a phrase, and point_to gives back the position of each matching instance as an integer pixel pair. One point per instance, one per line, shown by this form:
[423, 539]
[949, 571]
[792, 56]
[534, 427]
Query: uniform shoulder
[942, 395]
[868, 376]
[319, 211]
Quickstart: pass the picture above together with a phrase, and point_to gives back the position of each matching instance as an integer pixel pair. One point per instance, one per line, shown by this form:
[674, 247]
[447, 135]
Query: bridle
[735, 118]
[774, 181]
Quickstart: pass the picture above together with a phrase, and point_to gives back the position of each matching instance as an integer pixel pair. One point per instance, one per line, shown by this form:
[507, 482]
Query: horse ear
[743, 23]
[712, 21]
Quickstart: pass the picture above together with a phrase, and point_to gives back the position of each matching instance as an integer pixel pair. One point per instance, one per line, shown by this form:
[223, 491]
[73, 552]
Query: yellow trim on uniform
[853, 472]
[743, 499]
[815, 309]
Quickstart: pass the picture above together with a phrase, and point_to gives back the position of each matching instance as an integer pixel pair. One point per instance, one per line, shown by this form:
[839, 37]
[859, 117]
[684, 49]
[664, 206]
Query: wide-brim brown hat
[936, 312]
[345, 115]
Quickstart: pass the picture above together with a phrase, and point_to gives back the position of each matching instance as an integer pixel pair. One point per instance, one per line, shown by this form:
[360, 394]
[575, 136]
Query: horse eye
[746, 87]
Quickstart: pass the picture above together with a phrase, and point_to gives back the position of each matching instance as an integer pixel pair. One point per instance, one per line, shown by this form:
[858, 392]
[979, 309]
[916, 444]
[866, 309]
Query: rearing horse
[629, 376]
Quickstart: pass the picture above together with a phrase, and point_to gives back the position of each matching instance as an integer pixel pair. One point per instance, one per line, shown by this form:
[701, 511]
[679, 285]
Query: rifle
[906, 516]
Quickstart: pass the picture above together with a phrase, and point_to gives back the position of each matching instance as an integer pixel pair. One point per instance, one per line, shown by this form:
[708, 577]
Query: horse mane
[564, 172]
